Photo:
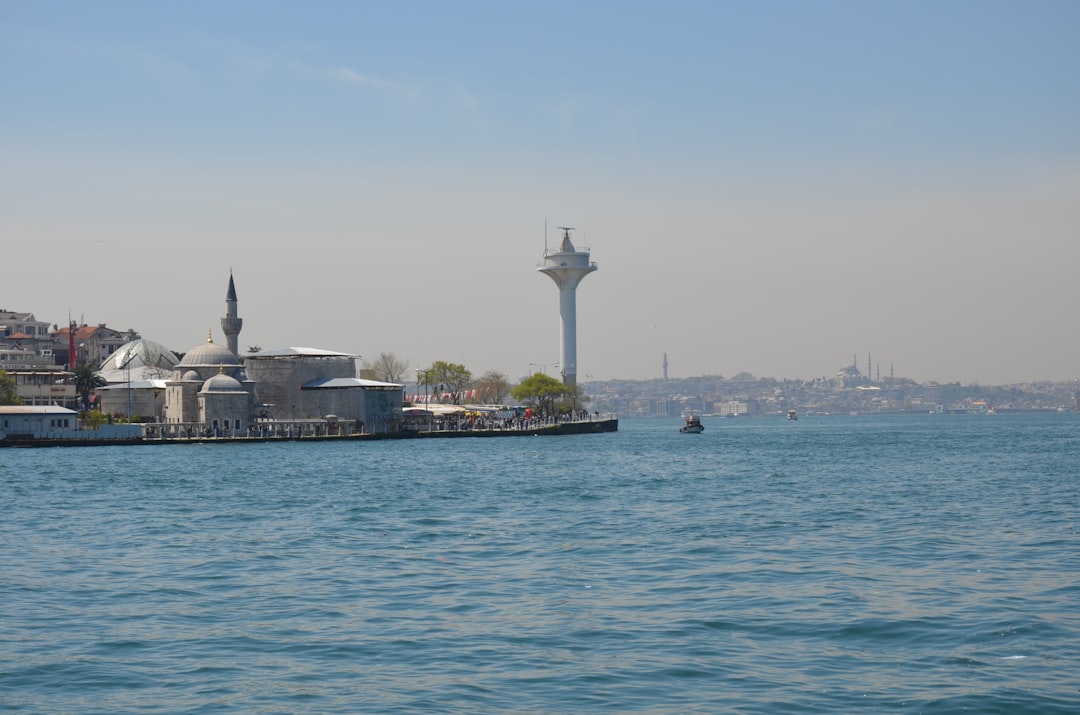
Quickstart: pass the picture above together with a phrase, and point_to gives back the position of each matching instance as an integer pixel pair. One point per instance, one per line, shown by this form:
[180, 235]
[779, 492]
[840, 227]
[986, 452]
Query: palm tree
[86, 381]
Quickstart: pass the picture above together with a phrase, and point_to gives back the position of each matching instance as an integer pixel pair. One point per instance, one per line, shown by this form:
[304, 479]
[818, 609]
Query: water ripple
[839, 565]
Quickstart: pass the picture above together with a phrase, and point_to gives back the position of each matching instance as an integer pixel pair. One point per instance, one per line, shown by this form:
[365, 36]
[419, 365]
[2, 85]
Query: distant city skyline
[766, 188]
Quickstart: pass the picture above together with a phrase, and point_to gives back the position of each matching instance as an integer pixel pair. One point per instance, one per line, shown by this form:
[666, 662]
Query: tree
[9, 393]
[451, 376]
[86, 381]
[493, 387]
[388, 367]
[541, 392]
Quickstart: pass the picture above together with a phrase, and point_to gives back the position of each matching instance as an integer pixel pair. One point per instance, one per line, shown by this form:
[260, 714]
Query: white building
[38, 381]
[24, 331]
[43, 422]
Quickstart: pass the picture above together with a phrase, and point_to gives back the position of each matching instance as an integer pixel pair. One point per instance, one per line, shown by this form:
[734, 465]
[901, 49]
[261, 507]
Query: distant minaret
[665, 367]
[567, 267]
[231, 324]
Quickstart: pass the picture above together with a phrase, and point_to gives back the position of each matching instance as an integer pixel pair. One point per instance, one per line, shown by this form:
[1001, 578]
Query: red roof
[83, 332]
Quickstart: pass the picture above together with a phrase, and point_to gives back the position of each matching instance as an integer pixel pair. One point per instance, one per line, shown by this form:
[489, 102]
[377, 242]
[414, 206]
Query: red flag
[71, 345]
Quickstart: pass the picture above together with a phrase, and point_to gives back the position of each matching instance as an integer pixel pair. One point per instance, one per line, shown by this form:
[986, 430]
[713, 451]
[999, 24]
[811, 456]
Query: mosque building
[209, 391]
[212, 390]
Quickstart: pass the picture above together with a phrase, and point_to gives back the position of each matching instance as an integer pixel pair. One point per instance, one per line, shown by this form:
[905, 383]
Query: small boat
[693, 425]
[791, 415]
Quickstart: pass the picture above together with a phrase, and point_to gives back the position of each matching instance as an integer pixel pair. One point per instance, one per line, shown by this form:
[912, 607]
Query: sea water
[831, 564]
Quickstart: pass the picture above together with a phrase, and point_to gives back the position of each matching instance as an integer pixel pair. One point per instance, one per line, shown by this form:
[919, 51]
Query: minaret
[567, 267]
[665, 367]
[230, 324]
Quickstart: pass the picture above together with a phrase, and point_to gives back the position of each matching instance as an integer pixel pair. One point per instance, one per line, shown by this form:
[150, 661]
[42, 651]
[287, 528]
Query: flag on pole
[71, 344]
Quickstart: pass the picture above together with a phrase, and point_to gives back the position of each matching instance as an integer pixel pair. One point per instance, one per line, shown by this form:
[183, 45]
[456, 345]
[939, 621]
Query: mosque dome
[140, 353]
[208, 354]
[191, 376]
[222, 383]
[139, 360]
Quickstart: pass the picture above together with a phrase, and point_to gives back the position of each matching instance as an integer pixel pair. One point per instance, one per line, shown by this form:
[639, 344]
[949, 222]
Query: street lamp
[132, 354]
[543, 366]
[423, 375]
[418, 372]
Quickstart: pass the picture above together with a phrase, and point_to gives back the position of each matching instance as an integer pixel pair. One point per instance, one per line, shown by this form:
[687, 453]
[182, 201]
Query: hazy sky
[772, 187]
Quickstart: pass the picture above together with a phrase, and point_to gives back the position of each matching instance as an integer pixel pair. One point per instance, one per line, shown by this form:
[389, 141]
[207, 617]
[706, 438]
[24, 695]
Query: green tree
[388, 367]
[493, 387]
[9, 394]
[86, 381]
[541, 392]
[451, 376]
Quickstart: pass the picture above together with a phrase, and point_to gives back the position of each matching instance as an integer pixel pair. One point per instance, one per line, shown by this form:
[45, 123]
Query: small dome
[208, 354]
[191, 376]
[222, 383]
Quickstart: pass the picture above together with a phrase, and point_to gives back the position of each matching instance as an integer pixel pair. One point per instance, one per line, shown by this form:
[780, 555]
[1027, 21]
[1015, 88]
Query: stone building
[312, 385]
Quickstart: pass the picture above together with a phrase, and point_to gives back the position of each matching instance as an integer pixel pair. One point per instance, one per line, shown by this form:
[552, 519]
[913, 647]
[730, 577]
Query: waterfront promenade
[582, 423]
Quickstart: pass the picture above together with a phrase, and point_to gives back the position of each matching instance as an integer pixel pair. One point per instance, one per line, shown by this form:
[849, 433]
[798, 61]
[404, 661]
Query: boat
[693, 425]
[791, 415]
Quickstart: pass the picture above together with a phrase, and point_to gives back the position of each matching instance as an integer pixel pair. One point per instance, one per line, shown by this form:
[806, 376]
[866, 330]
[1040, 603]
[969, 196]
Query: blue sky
[769, 187]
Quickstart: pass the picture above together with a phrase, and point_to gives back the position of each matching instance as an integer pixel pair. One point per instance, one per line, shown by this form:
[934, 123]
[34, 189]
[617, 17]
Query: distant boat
[791, 415]
[693, 425]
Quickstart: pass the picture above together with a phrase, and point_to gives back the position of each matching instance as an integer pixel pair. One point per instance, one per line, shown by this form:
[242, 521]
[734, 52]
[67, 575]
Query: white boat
[791, 415]
[693, 425]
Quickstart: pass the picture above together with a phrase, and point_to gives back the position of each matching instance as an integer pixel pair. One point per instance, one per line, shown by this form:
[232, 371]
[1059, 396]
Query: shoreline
[556, 430]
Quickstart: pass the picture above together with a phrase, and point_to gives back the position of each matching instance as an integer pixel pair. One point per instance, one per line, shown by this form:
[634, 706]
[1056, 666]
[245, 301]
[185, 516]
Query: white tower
[567, 266]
